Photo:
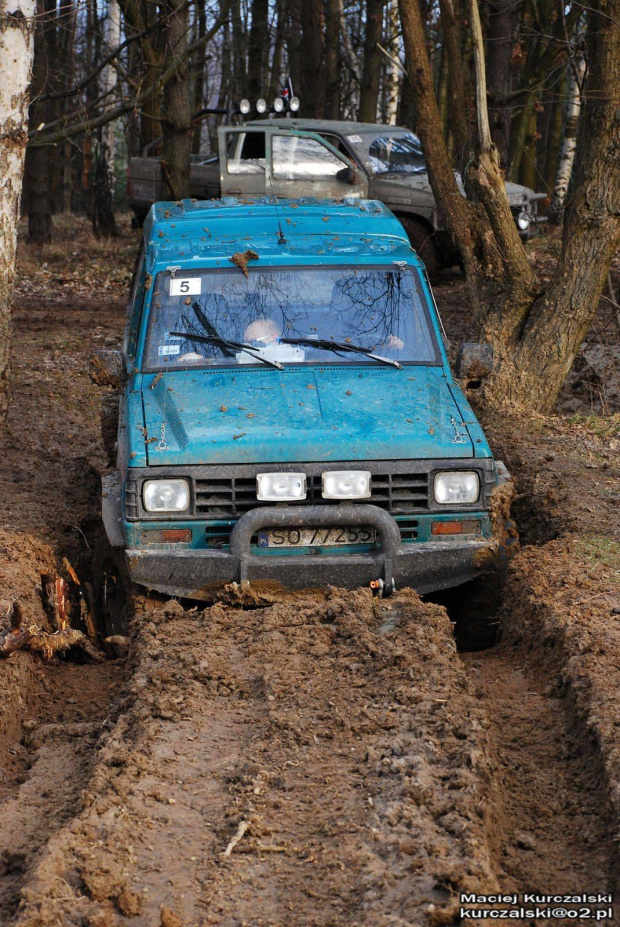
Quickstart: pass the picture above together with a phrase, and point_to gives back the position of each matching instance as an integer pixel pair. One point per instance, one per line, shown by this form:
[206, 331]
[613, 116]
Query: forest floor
[327, 759]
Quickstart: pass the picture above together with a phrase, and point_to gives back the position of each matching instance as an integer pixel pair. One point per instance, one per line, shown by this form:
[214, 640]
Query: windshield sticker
[165, 350]
[185, 286]
[355, 139]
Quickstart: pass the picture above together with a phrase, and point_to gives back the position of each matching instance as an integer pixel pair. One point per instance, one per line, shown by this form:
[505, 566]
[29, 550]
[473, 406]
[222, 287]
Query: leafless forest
[319, 758]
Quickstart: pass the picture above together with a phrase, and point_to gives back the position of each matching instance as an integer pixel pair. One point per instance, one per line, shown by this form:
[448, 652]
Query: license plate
[316, 537]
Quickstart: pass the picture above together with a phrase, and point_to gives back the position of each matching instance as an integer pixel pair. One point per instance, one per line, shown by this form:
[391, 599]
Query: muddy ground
[322, 760]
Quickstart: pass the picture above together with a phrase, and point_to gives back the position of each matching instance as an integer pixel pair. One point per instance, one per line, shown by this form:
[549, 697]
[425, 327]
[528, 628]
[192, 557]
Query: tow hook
[381, 588]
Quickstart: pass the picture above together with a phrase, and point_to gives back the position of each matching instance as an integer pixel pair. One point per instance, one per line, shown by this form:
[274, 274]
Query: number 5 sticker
[185, 286]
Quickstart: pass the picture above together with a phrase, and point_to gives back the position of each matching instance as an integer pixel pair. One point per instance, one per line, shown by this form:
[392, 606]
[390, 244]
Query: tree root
[47, 642]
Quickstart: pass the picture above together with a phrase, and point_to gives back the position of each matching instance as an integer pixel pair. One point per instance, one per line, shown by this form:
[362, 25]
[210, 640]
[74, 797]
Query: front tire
[112, 589]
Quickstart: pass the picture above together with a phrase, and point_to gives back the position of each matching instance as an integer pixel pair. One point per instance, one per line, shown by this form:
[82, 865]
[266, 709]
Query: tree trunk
[312, 89]
[278, 48]
[461, 103]
[199, 76]
[293, 44]
[239, 82]
[569, 144]
[332, 60]
[553, 142]
[176, 116]
[371, 73]
[67, 40]
[347, 45]
[104, 222]
[501, 38]
[258, 49]
[393, 71]
[528, 174]
[16, 53]
[39, 204]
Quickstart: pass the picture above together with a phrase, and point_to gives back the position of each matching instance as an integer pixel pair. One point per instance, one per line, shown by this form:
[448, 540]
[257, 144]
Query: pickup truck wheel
[111, 594]
[423, 241]
[137, 220]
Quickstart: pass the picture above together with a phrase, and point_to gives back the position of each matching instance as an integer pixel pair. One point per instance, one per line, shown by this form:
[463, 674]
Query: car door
[287, 163]
[305, 164]
[243, 161]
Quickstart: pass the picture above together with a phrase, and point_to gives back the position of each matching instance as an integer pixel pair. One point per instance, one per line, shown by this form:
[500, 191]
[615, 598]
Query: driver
[262, 332]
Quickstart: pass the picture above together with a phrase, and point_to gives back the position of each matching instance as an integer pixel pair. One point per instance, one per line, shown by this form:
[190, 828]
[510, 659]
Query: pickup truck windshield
[205, 319]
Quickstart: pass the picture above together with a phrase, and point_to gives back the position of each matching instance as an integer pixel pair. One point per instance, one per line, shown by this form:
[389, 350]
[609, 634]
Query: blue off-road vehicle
[288, 415]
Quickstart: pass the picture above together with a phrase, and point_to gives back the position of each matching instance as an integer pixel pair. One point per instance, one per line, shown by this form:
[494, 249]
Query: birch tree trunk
[569, 144]
[393, 72]
[17, 21]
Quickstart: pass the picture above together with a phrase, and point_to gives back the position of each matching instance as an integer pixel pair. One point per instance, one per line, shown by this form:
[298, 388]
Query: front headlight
[523, 221]
[460, 487]
[280, 487]
[165, 495]
[346, 484]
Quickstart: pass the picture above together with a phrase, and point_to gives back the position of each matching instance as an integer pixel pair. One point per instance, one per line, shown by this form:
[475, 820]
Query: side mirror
[474, 362]
[351, 175]
[107, 368]
[355, 175]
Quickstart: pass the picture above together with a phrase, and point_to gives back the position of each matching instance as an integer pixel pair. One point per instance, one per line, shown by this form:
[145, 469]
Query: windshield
[396, 153]
[206, 319]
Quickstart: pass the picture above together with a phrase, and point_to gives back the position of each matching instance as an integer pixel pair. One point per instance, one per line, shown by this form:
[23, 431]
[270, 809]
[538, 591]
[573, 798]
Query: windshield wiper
[329, 345]
[236, 345]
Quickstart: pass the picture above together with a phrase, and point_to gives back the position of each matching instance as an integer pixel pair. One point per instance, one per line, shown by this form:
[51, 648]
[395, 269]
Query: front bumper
[427, 567]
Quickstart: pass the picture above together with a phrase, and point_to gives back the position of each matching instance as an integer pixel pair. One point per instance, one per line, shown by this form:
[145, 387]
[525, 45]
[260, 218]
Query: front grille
[397, 493]
[224, 493]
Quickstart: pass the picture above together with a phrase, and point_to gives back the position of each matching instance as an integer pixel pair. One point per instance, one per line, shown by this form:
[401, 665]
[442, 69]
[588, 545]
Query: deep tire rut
[52, 755]
[548, 817]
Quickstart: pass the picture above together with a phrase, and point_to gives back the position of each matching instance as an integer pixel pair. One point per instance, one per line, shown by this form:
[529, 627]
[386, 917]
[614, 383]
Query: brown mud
[318, 759]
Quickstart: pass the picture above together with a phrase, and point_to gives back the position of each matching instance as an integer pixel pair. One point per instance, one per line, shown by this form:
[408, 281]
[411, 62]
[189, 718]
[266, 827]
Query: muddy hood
[302, 414]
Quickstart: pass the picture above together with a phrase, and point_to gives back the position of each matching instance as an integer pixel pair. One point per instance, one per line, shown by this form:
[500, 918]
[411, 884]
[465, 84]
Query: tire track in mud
[58, 715]
[548, 817]
[338, 728]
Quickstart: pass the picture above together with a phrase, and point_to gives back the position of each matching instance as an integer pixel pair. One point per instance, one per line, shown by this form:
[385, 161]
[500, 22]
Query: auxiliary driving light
[166, 495]
[278, 104]
[294, 104]
[280, 487]
[261, 106]
[460, 487]
[346, 484]
[244, 107]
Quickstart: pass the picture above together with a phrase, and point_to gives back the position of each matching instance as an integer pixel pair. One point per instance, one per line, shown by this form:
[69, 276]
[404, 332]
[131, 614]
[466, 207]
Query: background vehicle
[296, 157]
[330, 446]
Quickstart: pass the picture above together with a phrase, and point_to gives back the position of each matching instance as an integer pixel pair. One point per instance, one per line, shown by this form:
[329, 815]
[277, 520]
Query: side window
[245, 153]
[338, 144]
[295, 157]
[134, 306]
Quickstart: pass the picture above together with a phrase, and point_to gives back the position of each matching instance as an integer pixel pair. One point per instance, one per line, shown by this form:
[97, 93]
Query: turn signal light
[167, 536]
[455, 527]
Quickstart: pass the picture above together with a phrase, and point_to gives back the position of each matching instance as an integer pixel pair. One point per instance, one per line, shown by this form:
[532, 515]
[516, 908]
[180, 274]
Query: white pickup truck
[325, 158]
